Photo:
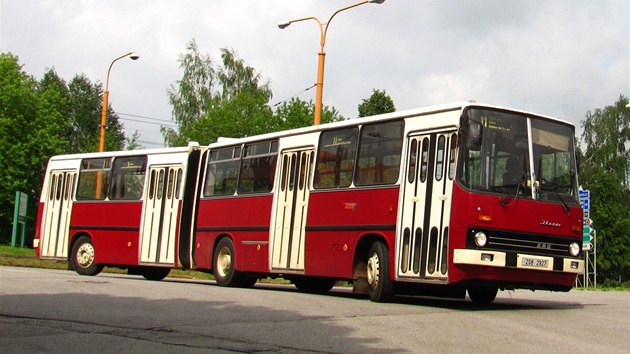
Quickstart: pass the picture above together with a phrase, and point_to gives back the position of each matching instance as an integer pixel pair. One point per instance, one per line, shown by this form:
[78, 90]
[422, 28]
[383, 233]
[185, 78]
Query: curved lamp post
[134, 56]
[323, 28]
[101, 146]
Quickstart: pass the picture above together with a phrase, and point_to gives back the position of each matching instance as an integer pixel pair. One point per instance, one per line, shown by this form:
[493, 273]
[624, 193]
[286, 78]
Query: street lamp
[101, 146]
[323, 28]
[134, 56]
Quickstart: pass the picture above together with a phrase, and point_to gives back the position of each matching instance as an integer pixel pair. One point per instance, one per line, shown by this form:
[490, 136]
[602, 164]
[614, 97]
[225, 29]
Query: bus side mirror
[473, 136]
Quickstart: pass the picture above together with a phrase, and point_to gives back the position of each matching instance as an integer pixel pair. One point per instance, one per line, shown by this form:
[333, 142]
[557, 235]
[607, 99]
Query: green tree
[296, 113]
[32, 123]
[133, 142]
[217, 100]
[378, 103]
[191, 95]
[39, 119]
[605, 171]
[86, 102]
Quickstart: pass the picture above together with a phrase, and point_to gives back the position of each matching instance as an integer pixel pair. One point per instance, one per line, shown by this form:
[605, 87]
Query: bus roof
[454, 106]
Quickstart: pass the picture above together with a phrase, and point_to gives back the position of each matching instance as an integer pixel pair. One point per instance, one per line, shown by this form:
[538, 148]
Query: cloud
[558, 58]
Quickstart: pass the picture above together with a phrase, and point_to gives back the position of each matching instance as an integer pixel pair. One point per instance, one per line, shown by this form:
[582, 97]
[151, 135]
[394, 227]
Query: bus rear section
[120, 209]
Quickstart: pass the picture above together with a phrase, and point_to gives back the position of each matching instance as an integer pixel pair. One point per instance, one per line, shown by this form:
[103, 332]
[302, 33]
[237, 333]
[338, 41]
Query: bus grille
[535, 244]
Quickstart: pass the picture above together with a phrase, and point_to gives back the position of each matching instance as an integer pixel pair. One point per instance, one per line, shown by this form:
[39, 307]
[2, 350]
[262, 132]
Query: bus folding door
[423, 233]
[287, 239]
[159, 226]
[55, 226]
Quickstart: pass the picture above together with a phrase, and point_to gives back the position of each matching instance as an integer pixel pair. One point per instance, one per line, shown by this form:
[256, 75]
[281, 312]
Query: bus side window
[336, 158]
[222, 171]
[379, 153]
[93, 172]
[258, 170]
[128, 178]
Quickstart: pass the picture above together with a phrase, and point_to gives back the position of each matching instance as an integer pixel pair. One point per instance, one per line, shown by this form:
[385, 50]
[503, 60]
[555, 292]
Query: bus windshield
[521, 156]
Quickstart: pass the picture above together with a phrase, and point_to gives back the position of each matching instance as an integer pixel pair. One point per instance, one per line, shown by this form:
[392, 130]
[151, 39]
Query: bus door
[55, 226]
[425, 211]
[159, 226]
[287, 235]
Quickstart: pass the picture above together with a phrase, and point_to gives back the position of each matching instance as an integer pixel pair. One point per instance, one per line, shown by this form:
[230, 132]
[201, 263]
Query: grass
[25, 257]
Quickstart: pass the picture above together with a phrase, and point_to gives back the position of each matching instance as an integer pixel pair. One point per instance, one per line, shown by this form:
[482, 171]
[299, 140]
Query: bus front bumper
[518, 261]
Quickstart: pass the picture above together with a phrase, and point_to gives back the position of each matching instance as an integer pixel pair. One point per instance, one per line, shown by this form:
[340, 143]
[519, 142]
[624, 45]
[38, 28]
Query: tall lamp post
[134, 56]
[323, 28]
[101, 146]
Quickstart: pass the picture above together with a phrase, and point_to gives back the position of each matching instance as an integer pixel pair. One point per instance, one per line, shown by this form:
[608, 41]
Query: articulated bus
[440, 201]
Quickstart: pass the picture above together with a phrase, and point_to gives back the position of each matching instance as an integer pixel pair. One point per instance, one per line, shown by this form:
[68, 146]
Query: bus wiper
[504, 200]
[553, 186]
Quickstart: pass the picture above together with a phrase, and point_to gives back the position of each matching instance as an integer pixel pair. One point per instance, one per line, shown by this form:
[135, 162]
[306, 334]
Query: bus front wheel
[83, 257]
[381, 287]
[482, 294]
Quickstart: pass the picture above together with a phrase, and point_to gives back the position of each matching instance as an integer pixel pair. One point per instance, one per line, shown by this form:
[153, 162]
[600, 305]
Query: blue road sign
[585, 199]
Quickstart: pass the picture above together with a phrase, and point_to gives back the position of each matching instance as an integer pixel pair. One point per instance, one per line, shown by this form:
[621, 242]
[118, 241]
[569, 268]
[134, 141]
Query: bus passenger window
[93, 172]
[258, 170]
[379, 153]
[336, 156]
[222, 172]
[128, 178]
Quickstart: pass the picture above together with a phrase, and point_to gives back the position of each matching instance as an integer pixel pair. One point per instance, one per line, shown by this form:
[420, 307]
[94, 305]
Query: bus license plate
[534, 262]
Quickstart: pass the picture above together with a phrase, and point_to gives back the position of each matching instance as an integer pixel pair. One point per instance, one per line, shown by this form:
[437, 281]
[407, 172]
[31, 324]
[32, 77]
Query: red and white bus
[438, 201]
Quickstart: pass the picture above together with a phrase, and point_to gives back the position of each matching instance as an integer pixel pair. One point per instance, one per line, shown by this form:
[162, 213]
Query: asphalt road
[55, 311]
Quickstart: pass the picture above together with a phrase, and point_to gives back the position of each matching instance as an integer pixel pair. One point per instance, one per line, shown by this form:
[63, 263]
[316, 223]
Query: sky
[560, 58]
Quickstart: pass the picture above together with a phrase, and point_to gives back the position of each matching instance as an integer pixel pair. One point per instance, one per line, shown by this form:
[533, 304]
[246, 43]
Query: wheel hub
[85, 255]
[373, 271]
[225, 261]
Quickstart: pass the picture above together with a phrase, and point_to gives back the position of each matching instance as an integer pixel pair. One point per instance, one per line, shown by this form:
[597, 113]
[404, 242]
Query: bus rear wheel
[155, 273]
[223, 265]
[380, 285]
[482, 294]
[82, 257]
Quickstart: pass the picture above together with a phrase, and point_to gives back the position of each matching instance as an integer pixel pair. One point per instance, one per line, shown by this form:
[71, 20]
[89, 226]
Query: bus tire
[155, 273]
[380, 285]
[82, 257]
[223, 265]
[482, 294]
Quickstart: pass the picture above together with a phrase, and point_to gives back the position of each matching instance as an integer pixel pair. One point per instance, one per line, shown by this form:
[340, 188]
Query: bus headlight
[480, 239]
[574, 249]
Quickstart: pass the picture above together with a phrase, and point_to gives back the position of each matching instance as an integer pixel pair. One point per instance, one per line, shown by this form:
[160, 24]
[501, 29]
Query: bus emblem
[549, 223]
